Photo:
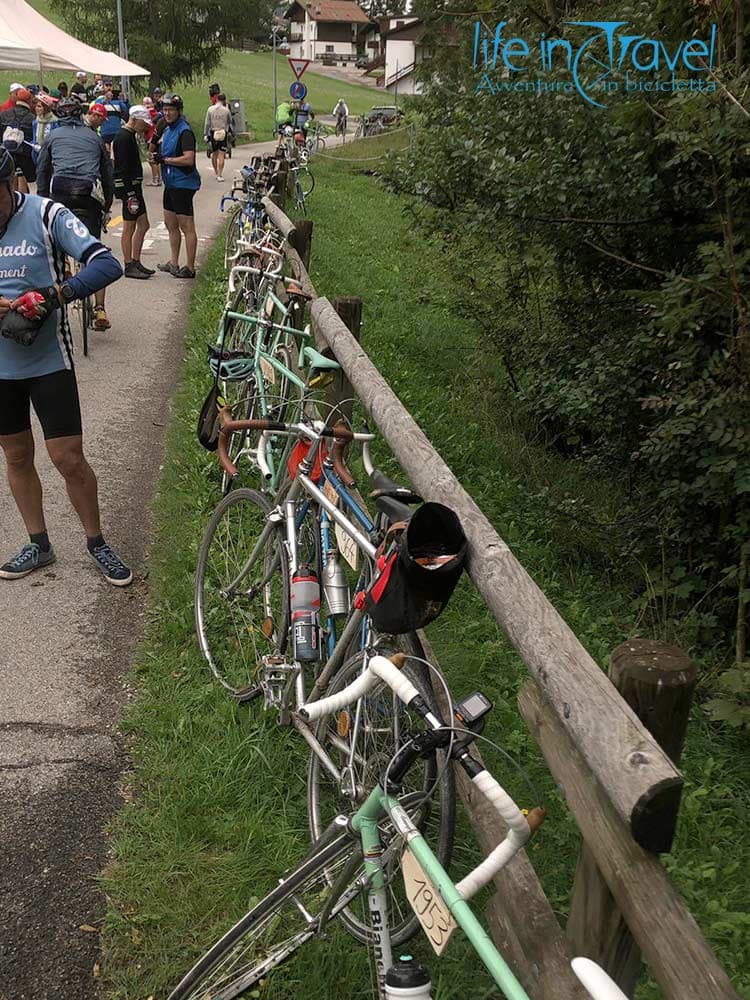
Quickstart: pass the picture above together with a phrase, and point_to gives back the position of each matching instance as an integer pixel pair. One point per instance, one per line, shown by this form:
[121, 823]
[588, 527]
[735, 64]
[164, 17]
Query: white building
[404, 51]
[325, 29]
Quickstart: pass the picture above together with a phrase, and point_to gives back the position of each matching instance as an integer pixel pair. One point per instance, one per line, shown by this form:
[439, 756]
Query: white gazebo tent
[30, 41]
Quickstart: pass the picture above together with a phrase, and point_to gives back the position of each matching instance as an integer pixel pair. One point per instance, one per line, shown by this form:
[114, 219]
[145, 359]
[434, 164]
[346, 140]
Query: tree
[174, 39]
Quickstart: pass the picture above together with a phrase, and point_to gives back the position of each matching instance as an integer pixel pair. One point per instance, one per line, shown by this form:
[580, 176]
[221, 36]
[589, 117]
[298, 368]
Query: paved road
[66, 636]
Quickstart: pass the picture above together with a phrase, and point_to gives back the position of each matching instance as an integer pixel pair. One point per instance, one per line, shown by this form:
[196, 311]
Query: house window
[329, 48]
[399, 24]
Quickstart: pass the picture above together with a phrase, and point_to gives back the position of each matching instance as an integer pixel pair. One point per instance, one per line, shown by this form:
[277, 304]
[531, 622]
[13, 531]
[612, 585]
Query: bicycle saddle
[386, 487]
[393, 510]
[317, 361]
[295, 289]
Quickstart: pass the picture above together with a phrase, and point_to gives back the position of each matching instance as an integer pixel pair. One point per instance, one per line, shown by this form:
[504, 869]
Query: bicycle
[304, 182]
[258, 643]
[353, 862]
[83, 308]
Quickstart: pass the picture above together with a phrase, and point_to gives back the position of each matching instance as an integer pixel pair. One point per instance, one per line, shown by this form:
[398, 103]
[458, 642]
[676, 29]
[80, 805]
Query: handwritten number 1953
[430, 910]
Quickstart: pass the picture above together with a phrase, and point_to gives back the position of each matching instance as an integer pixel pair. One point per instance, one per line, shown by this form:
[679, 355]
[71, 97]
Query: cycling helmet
[230, 366]
[172, 101]
[68, 107]
[48, 101]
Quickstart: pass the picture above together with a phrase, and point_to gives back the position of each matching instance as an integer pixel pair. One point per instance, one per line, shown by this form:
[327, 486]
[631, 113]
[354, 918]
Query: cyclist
[341, 113]
[97, 116]
[181, 181]
[303, 114]
[117, 115]
[129, 187]
[17, 125]
[283, 116]
[216, 131]
[157, 96]
[76, 169]
[14, 88]
[36, 365]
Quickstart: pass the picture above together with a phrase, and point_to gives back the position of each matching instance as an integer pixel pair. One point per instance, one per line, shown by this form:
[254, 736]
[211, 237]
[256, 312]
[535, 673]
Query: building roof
[412, 28]
[346, 11]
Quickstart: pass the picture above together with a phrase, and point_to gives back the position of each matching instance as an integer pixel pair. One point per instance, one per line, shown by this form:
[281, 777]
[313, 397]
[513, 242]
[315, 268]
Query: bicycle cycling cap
[172, 101]
[81, 75]
[68, 107]
[157, 90]
[140, 113]
[98, 109]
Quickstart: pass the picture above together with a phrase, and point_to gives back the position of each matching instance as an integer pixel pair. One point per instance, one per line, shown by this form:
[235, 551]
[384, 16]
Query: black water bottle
[305, 611]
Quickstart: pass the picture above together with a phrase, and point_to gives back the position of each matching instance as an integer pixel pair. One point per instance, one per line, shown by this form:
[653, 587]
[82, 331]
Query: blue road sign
[298, 91]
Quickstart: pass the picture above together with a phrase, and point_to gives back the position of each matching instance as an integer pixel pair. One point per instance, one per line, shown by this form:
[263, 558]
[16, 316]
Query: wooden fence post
[657, 681]
[281, 181]
[349, 308]
[301, 240]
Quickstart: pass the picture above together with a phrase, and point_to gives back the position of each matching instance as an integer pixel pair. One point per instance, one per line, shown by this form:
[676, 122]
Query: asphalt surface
[66, 636]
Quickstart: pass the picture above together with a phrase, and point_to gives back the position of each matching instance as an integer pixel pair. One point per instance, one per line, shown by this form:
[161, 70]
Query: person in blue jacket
[118, 112]
[36, 366]
[181, 181]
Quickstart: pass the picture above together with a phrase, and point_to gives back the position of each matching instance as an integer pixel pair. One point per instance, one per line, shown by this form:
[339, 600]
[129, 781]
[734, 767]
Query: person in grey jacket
[216, 131]
[75, 169]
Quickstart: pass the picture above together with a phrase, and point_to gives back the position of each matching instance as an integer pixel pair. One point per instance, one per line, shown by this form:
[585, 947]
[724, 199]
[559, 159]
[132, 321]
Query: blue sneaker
[28, 559]
[114, 569]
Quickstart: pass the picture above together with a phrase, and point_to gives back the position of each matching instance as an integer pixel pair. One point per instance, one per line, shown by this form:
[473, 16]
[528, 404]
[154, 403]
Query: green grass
[218, 792]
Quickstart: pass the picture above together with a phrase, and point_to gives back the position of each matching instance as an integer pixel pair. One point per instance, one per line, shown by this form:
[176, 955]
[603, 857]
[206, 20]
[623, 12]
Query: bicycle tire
[208, 977]
[320, 785]
[235, 632]
[306, 182]
[242, 398]
[84, 320]
[233, 235]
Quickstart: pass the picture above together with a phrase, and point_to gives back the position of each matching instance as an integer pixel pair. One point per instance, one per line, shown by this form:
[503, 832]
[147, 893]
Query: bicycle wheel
[306, 182]
[234, 230]
[242, 399]
[289, 916]
[239, 623]
[361, 741]
[85, 315]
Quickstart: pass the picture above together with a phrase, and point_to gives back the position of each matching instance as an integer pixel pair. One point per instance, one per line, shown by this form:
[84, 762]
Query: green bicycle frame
[365, 823]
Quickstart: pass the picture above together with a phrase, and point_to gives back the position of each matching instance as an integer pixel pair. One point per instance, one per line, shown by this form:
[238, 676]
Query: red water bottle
[305, 612]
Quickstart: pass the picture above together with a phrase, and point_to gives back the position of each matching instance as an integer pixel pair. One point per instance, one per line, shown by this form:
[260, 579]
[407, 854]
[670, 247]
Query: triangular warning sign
[298, 65]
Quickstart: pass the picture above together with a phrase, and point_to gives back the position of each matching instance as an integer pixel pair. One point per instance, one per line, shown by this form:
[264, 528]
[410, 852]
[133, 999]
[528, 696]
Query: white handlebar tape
[596, 981]
[517, 835]
[261, 456]
[379, 668]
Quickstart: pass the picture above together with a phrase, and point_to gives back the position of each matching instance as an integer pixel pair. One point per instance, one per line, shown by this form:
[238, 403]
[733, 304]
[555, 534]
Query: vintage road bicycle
[351, 865]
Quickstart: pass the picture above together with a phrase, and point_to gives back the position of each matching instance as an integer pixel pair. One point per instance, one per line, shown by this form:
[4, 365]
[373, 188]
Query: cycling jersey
[32, 250]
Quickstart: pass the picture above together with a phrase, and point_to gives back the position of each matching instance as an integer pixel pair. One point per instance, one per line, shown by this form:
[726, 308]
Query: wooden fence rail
[622, 788]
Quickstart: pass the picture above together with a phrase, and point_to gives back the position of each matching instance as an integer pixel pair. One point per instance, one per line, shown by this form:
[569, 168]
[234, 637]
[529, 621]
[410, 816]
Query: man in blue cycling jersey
[36, 365]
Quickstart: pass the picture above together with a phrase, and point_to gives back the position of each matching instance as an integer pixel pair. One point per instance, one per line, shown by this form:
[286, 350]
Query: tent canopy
[30, 41]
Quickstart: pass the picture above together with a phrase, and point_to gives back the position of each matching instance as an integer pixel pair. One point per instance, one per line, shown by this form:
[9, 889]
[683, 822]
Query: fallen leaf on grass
[88, 928]
[97, 970]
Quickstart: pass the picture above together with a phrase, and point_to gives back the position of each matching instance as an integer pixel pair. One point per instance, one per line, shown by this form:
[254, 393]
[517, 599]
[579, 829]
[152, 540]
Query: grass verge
[218, 793]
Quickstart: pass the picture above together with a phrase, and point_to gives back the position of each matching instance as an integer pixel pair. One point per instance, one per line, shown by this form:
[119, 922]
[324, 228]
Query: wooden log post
[677, 953]
[657, 681]
[521, 921]
[341, 393]
[301, 239]
[281, 183]
[640, 780]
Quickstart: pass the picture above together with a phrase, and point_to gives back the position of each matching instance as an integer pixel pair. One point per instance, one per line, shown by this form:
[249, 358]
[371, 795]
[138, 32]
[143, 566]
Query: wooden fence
[611, 743]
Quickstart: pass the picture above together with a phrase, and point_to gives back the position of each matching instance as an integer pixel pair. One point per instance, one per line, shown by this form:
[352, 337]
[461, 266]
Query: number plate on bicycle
[269, 372]
[431, 910]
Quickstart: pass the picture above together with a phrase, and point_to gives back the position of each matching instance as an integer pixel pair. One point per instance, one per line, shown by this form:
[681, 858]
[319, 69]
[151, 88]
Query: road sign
[298, 91]
[298, 66]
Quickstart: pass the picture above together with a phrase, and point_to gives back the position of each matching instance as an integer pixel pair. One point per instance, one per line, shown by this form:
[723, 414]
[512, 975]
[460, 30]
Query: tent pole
[121, 39]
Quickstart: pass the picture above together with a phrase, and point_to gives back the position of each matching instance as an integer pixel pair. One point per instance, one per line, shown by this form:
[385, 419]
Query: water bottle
[408, 980]
[335, 585]
[305, 610]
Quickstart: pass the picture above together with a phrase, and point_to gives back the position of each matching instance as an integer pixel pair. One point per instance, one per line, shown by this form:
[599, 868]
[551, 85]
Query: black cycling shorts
[139, 209]
[219, 145]
[178, 200]
[25, 167]
[55, 401]
[86, 208]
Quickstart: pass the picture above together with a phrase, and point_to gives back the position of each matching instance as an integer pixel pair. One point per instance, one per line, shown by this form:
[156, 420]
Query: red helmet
[98, 109]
